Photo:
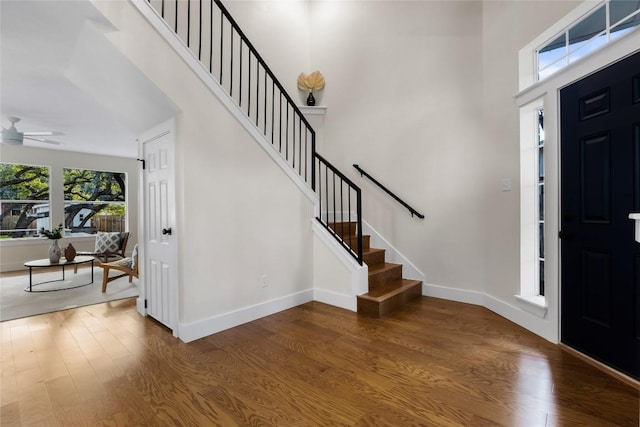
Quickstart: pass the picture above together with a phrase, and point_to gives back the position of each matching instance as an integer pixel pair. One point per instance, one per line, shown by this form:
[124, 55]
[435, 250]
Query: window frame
[569, 49]
[29, 233]
[67, 202]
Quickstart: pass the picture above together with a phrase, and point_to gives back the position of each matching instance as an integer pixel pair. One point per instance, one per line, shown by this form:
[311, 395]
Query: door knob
[166, 231]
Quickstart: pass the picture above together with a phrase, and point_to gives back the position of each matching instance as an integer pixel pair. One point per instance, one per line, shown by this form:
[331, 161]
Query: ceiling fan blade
[43, 133]
[48, 141]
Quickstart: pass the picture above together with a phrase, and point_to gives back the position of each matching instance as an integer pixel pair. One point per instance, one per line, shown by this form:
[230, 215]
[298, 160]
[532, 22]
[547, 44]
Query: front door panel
[600, 186]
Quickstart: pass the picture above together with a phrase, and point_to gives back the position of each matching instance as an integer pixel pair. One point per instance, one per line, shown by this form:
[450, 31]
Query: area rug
[15, 303]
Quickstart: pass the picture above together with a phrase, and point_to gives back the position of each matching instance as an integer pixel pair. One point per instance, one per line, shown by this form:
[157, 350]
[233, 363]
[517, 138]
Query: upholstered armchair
[109, 246]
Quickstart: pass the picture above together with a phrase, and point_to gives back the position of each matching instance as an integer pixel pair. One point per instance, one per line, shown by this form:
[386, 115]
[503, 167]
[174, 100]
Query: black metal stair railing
[215, 39]
[389, 192]
[338, 195]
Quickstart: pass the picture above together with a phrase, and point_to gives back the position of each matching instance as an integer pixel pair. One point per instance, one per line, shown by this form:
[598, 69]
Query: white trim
[202, 328]
[359, 273]
[536, 305]
[347, 302]
[409, 269]
[192, 61]
[453, 294]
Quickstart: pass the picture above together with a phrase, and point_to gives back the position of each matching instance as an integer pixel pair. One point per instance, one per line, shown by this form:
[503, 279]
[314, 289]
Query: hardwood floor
[436, 363]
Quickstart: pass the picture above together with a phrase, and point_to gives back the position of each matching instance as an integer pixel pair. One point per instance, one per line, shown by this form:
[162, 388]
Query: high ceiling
[59, 72]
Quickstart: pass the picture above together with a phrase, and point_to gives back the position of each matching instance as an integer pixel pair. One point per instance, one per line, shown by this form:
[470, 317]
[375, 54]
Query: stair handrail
[339, 196]
[295, 138]
[389, 192]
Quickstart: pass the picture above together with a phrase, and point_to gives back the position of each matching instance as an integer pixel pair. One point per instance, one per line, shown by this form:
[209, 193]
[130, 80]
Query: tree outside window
[24, 199]
[94, 201]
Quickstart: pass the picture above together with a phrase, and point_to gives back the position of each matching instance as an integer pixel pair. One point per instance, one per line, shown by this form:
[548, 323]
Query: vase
[311, 100]
[54, 252]
[70, 252]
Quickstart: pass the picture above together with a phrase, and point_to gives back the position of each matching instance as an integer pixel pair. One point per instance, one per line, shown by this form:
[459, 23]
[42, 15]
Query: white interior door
[160, 242]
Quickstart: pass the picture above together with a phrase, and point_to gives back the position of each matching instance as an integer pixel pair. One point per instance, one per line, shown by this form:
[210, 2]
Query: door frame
[548, 91]
[165, 128]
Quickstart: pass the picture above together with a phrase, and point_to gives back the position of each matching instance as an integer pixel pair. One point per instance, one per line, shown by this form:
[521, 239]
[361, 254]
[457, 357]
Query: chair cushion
[134, 257]
[107, 242]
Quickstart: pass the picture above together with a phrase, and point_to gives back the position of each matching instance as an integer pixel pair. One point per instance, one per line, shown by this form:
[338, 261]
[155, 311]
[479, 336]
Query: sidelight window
[540, 201]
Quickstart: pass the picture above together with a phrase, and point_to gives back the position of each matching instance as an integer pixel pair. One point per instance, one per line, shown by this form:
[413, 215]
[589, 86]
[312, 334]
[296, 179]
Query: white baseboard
[347, 302]
[453, 294]
[192, 331]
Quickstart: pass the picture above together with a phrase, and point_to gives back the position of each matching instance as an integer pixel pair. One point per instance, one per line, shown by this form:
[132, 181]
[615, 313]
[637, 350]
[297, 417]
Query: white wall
[404, 98]
[239, 215]
[15, 252]
[521, 21]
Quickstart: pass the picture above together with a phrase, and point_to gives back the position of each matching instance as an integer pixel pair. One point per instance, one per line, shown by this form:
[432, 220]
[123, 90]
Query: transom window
[605, 23]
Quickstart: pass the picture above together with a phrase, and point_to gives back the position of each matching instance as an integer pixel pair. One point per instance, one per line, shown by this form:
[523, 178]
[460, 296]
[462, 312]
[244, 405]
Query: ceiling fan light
[12, 137]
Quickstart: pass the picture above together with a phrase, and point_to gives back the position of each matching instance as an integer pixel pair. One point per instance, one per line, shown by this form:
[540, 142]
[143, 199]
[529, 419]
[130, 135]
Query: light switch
[506, 184]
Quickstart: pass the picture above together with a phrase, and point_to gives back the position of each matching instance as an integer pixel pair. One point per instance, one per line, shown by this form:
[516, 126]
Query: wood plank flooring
[437, 363]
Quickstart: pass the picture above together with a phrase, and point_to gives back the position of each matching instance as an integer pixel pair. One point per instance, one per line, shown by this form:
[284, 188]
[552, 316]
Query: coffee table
[42, 263]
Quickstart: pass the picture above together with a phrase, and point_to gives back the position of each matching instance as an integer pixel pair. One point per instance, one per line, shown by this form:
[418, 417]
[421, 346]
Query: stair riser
[374, 258]
[354, 242]
[379, 279]
[390, 305]
[344, 228]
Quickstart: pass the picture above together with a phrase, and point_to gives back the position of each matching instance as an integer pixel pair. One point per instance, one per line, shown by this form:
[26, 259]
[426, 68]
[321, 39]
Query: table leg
[91, 271]
[30, 280]
[62, 271]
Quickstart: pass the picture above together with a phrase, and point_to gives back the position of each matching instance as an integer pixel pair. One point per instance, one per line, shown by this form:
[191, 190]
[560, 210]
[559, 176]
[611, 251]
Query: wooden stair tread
[379, 268]
[390, 290]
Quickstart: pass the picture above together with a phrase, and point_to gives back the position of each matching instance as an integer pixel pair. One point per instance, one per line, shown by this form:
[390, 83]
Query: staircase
[214, 39]
[388, 290]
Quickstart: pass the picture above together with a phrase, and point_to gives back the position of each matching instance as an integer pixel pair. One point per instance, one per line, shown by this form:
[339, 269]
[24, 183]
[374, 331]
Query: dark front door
[600, 187]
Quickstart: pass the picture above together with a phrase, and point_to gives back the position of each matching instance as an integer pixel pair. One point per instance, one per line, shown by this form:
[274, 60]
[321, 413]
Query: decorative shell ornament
[311, 82]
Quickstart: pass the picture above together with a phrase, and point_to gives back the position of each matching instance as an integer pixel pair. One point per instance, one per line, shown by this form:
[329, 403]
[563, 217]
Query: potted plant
[54, 249]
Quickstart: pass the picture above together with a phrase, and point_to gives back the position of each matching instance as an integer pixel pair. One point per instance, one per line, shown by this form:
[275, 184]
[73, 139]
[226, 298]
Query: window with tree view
[24, 199]
[94, 201]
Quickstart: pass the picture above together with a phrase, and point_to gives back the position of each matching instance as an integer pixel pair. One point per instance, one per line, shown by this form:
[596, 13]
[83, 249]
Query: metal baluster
[221, 43]
[200, 32]
[176, 18]
[211, 38]
[240, 78]
[188, 22]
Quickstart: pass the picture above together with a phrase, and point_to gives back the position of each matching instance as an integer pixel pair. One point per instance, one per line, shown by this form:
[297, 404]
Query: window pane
[558, 65]
[585, 48]
[89, 217]
[24, 182]
[552, 52]
[24, 195]
[620, 9]
[625, 26]
[23, 219]
[541, 240]
[86, 185]
[541, 277]
[588, 28]
[541, 202]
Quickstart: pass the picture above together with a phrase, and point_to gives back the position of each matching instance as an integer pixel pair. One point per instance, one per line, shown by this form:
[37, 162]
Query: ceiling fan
[11, 135]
